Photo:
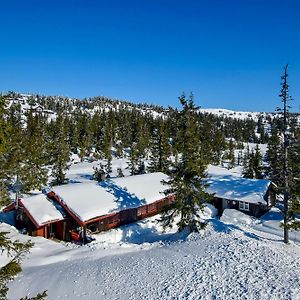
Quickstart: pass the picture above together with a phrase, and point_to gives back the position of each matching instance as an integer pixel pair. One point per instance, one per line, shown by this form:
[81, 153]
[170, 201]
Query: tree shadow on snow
[87, 176]
[8, 217]
[219, 226]
[139, 233]
[125, 199]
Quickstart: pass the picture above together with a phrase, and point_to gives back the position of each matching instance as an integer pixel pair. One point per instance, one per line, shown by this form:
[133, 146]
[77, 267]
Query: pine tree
[229, 155]
[99, 173]
[160, 150]
[12, 150]
[257, 163]
[187, 177]
[274, 158]
[248, 171]
[134, 160]
[253, 167]
[218, 145]
[34, 173]
[294, 181]
[60, 153]
[4, 132]
[284, 95]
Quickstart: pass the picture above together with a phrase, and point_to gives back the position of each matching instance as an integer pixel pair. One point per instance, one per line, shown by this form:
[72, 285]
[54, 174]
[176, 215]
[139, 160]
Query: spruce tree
[248, 171]
[253, 167]
[294, 181]
[274, 158]
[134, 160]
[229, 155]
[99, 173]
[257, 163]
[160, 150]
[187, 179]
[12, 147]
[284, 95]
[4, 132]
[60, 153]
[34, 173]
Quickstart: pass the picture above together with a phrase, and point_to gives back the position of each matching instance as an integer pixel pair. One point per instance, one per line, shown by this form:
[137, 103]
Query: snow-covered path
[220, 264]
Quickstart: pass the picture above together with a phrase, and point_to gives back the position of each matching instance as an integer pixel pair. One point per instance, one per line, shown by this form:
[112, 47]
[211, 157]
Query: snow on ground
[233, 216]
[83, 171]
[271, 223]
[224, 262]
[241, 115]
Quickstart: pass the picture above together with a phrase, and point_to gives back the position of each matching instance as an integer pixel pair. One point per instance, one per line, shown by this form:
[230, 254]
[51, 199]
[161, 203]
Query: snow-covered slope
[92, 106]
[242, 115]
[224, 262]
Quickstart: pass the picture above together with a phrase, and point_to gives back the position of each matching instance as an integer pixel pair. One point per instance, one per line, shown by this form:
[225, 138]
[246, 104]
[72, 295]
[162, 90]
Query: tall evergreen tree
[60, 153]
[253, 167]
[188, 175]
[160, 150]
[34, 173]
[294, 181]
[274, 158]
[4, 132]
[229, 155]
[286, 194]
[12, 148]
[257, 163]
[136, 162]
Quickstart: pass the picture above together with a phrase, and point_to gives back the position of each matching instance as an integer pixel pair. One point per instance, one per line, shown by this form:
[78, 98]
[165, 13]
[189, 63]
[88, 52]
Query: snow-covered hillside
[91, 106]
[242, 115]
[224, 262]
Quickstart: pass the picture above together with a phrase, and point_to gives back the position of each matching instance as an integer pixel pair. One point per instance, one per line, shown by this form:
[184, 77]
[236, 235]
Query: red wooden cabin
[69, 210]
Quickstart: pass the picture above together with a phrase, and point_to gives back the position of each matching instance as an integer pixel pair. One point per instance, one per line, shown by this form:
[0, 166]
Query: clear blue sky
[230, 54]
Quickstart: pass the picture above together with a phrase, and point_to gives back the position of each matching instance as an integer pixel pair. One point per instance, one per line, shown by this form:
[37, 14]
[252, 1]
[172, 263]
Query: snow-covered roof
[41, 209]
[91, 199]
[239, 189]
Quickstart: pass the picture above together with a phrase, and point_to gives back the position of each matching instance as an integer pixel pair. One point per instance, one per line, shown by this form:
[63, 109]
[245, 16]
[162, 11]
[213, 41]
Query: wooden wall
[127, 216]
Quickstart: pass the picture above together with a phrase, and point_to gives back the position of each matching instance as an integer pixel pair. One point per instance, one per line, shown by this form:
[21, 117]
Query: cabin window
[244, 205]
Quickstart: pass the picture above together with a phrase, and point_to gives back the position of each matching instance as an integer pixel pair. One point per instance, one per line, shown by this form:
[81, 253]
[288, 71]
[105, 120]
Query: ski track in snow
[215, 265]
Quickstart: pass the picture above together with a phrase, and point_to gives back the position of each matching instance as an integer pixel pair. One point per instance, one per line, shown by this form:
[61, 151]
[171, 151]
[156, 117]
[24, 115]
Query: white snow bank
[209, 210]
[233, 216]
[41, 209]
[271, 222]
